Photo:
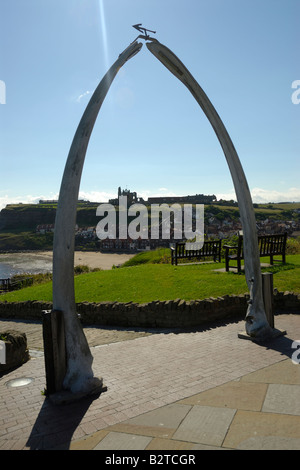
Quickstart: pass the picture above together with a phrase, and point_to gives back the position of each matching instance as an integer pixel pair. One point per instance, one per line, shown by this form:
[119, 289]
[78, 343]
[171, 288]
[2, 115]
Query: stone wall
[16, 351]
[157, 314]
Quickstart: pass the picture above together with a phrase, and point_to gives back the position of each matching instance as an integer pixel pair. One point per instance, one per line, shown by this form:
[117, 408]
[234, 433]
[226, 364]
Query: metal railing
[10, 284]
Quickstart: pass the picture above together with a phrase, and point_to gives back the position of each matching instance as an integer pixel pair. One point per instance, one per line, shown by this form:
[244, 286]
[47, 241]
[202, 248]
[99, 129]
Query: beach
[92, 259]
[41, 261]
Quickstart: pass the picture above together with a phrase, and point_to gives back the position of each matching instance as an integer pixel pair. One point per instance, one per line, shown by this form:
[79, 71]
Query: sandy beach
[100, 260]
[41, 261]
[91, 259]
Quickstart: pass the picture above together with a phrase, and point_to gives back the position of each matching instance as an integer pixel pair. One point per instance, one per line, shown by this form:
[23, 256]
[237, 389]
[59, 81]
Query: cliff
[26, 217]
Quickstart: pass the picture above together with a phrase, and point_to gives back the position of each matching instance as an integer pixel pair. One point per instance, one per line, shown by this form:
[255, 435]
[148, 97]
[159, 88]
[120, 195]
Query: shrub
[293, 246]
[81, 268]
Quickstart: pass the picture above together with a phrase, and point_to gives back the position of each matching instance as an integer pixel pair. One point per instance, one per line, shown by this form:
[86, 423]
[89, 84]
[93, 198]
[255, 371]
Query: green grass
[147, 282]
[158, 256]
[25, 241]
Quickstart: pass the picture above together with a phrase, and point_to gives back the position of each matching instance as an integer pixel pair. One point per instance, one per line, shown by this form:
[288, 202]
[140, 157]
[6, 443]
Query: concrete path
[167, 390]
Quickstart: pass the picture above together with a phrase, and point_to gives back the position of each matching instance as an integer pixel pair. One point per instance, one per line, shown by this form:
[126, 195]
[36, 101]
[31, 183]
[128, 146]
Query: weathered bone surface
[79, 377]
[256, 321]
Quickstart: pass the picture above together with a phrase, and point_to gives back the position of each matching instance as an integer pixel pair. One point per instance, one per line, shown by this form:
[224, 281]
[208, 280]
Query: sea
[20, 263]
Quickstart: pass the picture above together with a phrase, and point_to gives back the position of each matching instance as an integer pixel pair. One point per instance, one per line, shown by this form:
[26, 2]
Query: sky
[150, 135]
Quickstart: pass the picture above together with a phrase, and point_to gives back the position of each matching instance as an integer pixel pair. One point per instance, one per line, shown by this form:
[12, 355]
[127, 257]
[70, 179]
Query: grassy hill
[146, 282]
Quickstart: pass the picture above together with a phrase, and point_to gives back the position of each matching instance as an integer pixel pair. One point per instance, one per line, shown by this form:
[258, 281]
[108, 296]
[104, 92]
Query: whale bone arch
[79, 376]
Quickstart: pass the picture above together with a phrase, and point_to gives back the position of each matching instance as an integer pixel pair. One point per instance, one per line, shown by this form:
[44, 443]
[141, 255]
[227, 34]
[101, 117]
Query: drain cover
[19, 382]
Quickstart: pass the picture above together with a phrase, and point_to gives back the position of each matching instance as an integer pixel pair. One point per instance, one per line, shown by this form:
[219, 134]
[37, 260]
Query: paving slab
[122, 441]
[205, 447]
[172, 444]
[161, 422]
[282, 398]
[270, 443]
[205, 425]
[283, 372]
[235, 395]
[89, 442]
[144, 430]
[169, 416]
[168, 444]
[248, 428]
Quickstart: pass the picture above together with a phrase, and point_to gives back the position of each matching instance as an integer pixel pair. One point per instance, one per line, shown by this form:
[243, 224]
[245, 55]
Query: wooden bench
[268, 245]
[210, 248]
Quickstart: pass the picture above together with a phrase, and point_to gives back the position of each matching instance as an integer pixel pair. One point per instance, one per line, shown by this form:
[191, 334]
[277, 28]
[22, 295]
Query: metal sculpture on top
[143, 30]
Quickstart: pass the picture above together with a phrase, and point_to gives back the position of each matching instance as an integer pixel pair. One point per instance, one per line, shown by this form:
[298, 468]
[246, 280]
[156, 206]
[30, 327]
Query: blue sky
[150, 135]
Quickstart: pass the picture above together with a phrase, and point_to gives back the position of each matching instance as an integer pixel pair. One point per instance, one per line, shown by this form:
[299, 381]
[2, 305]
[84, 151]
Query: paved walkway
[166, 391]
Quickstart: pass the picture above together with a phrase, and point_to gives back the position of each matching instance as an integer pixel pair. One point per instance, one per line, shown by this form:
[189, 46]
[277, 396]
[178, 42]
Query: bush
[158, 256]
[81, 268]
[293, 246]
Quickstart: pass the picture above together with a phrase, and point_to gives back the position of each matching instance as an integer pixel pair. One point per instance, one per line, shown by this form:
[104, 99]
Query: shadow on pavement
[47, 431]
[282, 344]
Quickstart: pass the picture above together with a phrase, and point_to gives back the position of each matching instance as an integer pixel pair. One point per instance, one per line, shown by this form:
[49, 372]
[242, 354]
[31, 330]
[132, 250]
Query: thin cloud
[27, 199]
[96, 196]
[264, 196]
[79, 98]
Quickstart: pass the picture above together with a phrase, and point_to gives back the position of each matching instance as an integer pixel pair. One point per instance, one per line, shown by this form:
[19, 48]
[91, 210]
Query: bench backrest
[268, 244]
[209, 248]
[272, 244]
